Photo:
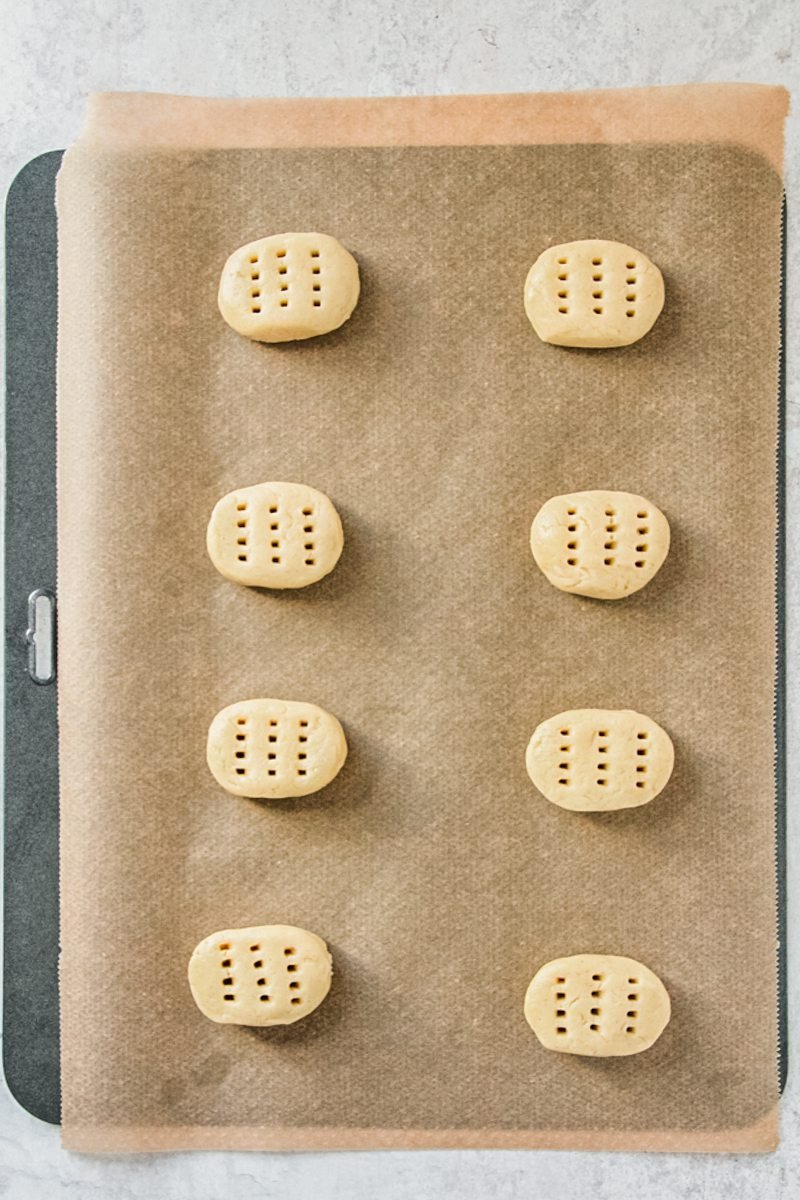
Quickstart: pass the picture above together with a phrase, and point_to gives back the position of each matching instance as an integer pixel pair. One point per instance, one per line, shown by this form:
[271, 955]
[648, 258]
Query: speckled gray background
[55, 54]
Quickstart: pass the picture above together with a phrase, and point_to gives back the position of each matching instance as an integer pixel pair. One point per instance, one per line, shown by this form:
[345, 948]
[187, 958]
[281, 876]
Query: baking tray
[31, 896]
[30, 899]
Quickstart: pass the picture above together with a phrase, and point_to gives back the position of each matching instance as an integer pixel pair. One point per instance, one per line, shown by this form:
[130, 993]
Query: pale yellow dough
[275, 535]
[288, 287]
[602, 544]
[261, 975]
[275, 749]
[596, 1004]
[593, 293]
[597, 759]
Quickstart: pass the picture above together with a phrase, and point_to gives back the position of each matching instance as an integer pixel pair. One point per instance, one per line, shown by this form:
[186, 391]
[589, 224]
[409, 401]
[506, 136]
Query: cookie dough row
[585, 760]
[592, 1004]
[291, 286]
[602, 544]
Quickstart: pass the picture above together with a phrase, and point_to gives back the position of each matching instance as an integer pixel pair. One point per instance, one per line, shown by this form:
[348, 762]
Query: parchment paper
[438, 424]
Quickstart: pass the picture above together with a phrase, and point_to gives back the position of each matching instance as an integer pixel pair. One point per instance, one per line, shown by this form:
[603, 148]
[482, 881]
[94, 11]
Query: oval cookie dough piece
[602, 544]
[593, 293]
[288, 287]
[596, 1004]
[598, 759]
[261, 975]
[275, 749]
[275, 535]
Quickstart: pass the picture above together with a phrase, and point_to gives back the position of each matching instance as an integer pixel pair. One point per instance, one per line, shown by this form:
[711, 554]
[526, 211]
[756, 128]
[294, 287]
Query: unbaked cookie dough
[602, 544]
[275, 535]
[275, 749]
[596, 1004]
[261, 975]
[593, 293]
[598, 759]
[288, 287]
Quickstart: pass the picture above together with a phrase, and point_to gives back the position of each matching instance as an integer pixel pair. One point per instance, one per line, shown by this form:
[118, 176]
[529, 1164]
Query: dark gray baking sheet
[31, 904]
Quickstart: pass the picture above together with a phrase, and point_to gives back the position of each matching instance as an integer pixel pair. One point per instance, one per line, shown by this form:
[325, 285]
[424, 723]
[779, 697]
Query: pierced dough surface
[275, 749]
[602, 544]
[593, 293]
[288, 287]
[598, 759]
[260, 975]
[597, 1004]
[275, 535]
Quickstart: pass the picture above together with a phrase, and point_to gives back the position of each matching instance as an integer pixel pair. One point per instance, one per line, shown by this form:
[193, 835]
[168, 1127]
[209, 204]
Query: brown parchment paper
[438, 424]
[745, 114]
